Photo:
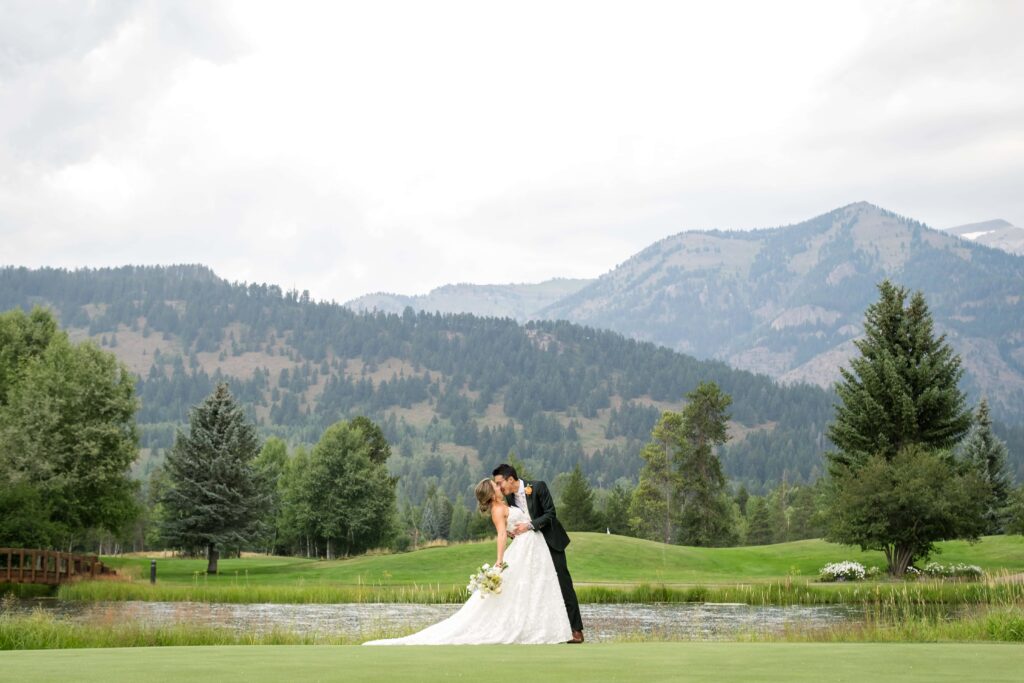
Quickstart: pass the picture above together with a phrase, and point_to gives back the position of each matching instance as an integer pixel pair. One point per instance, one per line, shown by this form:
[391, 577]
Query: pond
[688, 621]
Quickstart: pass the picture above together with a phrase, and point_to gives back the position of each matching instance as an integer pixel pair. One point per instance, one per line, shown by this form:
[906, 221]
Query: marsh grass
[42, 631]
[999, 624]
[997, 589]
[26, 590]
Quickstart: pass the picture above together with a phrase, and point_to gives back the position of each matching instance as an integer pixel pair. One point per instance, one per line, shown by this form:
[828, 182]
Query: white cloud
[353, 147]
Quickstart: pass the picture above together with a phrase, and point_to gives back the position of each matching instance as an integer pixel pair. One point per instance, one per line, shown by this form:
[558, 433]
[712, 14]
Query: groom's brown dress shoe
[577, 638]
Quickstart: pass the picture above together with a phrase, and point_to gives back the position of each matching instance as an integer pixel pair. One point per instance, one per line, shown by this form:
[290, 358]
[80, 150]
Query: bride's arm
[500, 522]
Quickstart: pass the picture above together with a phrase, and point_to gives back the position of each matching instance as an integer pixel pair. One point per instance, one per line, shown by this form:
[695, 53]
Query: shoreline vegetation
[995, 589]
[607, 570]
[882, 624]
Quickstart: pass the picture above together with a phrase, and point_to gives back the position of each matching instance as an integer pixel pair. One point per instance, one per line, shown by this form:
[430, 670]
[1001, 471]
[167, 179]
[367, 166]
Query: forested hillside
[453, 393]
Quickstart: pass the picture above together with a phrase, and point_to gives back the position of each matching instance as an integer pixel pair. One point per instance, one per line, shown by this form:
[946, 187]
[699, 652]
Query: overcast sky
[380, 146]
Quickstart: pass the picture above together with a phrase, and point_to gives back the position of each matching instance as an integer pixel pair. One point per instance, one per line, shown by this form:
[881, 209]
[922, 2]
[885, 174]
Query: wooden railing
[20, 565]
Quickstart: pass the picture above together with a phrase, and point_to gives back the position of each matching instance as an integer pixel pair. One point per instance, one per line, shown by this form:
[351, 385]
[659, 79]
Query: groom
[535, 499]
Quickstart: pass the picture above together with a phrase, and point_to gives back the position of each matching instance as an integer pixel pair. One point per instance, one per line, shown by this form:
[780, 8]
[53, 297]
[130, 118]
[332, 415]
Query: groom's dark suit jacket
[542, 513]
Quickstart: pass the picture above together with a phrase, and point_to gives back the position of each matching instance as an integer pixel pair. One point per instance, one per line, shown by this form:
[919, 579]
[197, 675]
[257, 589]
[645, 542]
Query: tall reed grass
[42, 631]
[996, 589]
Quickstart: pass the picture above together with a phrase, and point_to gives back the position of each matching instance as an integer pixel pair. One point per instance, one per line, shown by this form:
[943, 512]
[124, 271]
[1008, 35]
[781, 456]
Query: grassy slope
[593, 558]
[650, 662]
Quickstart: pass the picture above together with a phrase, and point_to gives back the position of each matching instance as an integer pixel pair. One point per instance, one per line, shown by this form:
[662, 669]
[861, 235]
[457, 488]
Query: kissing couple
[537, 603]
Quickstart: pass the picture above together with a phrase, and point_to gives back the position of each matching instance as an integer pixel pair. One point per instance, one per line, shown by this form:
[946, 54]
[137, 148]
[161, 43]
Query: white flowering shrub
[954, 571]
[842, 571]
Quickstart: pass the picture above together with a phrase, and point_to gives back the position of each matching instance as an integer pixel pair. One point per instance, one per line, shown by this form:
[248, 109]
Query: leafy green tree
[905, 504]
[25, 518]
[297, 527]
[895, 486]
[988, 454]
[271, 464]
[67, 427]
[216, 497]
[576, 510]
[353, 494]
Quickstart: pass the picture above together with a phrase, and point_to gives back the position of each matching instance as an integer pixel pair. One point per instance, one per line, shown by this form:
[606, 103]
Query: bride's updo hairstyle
[485, 494]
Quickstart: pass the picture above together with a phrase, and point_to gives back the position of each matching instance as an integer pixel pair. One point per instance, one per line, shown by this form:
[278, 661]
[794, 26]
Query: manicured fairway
[593, 558]
[647, 662]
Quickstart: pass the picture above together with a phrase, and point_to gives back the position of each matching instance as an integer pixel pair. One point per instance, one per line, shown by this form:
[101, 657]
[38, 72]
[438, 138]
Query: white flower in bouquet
[486, 580]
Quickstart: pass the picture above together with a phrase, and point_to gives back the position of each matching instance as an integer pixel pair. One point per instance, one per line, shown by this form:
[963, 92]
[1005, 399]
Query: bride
[528, 610]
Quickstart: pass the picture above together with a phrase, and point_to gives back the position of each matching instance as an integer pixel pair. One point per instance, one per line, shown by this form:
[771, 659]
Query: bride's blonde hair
[485, 494]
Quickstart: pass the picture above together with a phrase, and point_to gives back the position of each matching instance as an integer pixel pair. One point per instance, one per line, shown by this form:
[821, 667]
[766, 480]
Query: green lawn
[593, 558]
[648, 662]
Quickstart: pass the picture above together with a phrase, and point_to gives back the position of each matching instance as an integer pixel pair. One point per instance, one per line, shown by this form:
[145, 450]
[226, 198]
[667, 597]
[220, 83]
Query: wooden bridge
[19, 565]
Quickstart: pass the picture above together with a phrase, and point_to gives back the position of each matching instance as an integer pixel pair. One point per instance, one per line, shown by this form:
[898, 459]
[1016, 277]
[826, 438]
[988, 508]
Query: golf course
[648, 662]
[604, 567]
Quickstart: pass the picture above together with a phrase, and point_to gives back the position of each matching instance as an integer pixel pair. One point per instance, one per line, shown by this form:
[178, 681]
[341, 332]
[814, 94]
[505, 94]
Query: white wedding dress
[529, 610]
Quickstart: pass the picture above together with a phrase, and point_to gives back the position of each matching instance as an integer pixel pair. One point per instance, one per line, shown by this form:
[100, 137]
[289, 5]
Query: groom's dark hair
[505, 470]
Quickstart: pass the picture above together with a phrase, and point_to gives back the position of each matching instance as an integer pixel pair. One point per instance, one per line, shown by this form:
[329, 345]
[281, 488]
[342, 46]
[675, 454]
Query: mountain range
[789, 301]
[454, 393]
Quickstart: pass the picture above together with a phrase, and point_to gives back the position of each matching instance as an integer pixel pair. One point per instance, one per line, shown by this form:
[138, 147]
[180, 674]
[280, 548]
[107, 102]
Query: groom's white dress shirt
[520, 497]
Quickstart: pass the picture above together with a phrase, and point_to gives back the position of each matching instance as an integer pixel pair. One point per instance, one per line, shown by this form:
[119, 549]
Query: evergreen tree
[988, 454]
[437, 515]
[706, 518]
[576, 510]
[761, 529]
[902, 388]
[216, 498]
[654, 506]
[616, 510]
[742, 497]
[895, 488]
[1015, 512]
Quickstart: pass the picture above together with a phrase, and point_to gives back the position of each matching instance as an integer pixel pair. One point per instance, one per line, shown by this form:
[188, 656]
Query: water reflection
[603, 622]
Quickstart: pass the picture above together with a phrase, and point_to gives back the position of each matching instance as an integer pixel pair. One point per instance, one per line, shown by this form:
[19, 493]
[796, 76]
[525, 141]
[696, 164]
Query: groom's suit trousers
[572, 604]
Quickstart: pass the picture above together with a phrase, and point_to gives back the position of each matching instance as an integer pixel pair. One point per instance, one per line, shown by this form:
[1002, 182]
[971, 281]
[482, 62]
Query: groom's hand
[520, 528]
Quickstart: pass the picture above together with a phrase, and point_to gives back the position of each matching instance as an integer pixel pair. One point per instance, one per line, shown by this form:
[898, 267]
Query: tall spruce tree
[576, 509]
[616, 510]
[215, 496]
[706, 518]
[895, 486]
[681, 497]
[902, 389]
[761, 527]
[654, 505]
[988, 454]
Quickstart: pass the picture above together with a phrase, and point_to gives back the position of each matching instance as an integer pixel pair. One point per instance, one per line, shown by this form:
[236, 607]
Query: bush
[842, 571]
[954, 571]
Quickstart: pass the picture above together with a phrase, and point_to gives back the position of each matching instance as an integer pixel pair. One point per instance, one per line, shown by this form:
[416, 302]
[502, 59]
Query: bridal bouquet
[487, 579]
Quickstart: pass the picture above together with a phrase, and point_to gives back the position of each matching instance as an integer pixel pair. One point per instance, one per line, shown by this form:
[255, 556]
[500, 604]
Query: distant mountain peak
[996, 233]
